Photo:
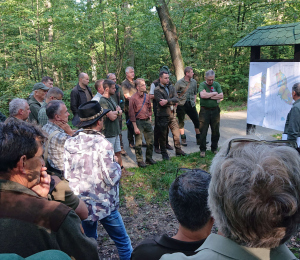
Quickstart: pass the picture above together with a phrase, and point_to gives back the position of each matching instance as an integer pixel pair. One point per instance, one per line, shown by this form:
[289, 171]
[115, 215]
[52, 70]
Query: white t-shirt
[152, 87]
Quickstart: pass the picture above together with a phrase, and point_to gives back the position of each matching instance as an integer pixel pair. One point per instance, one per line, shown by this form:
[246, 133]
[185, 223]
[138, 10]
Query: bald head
[83, 79]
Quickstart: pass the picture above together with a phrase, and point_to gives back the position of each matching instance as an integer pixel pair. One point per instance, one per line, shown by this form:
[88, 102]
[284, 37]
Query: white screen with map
[269, 92]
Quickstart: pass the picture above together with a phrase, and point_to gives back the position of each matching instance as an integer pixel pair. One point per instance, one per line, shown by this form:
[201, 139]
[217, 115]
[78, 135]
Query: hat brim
[45, 88]
[80, 124]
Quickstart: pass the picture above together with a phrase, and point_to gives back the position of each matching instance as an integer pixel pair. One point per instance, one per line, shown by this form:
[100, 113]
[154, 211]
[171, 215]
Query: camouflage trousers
[145, 128]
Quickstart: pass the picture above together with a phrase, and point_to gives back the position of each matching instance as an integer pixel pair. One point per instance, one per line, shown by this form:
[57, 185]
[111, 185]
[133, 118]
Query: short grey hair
[110, 74]
[209, 73]
[53, 108]
[128, 68]
[254, 194]
[15, 105]
[54, 92]
[296, 88]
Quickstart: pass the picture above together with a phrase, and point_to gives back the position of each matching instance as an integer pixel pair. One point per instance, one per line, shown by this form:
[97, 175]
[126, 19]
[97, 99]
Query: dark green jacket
[110, 128]
[35, 107]
[2, 117]
[119, 97]
[217, 247]
[161, 93]
[30, 224]
[292, 124]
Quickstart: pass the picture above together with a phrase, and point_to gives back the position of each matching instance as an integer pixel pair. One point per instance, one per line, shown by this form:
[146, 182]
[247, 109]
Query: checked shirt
[56, 146]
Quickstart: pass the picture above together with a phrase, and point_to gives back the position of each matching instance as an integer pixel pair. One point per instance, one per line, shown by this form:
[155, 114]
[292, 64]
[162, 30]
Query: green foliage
[62, 38]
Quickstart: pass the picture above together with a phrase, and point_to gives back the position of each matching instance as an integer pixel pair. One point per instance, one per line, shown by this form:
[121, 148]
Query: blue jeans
[115, 228]
[90, 228]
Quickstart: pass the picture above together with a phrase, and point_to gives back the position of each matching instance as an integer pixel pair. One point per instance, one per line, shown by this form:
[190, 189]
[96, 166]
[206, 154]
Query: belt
[209, 108]
[142, 119]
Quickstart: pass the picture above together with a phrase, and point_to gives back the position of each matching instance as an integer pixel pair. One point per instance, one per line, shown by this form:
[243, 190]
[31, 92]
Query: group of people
[252, 195]
[169, 102]
[57, 183]
[132, 99]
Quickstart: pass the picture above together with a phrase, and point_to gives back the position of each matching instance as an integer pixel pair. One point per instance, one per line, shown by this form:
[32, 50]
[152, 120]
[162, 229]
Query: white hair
[254, 193]
[15, 105]
[128, 68]
[209, 73]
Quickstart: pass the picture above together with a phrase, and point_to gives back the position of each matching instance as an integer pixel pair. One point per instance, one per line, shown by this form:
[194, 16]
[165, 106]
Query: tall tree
[171, 37]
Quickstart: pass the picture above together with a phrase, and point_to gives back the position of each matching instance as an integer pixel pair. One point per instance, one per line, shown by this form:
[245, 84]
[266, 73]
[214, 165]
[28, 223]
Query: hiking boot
[198, 139]
[125, 173]
[183, 140]
[180, 153]
[165, 157]
[169, 147]
[202, 154]
[157, 150]
[123, 152]
[142, 164]
[150, 161]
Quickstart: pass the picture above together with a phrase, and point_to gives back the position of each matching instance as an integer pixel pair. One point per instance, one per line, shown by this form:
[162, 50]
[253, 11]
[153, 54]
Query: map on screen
[270, 92]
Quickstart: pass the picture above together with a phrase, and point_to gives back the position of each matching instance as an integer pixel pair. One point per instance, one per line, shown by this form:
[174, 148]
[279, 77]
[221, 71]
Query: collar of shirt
[55, 127]
[15, 187]
[297, 101]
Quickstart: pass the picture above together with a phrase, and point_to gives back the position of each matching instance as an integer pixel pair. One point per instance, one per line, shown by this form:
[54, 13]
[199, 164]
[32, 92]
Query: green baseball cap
[40, 85]
[165, 69]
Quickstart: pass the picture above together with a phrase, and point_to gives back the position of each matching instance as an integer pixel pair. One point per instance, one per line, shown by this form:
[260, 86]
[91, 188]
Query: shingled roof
[283, 34]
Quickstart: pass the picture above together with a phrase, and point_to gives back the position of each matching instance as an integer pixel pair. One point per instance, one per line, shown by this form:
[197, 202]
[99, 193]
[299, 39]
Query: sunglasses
[292, 144]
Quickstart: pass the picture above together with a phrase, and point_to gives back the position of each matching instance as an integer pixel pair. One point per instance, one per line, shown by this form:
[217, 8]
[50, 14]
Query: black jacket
[78, 97]
[161, 93]
[2, 117]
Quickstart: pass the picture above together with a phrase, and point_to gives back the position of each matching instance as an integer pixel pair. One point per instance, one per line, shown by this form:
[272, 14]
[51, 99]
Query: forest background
[62, 38]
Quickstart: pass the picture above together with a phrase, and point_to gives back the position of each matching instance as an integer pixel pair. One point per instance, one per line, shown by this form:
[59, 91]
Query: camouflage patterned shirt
[92, 172]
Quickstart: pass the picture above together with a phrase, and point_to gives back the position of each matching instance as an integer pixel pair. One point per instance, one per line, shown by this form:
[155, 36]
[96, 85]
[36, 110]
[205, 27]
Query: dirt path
[233, 124]
[141, 221]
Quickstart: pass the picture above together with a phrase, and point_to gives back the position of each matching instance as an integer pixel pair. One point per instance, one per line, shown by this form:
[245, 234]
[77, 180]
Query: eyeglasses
[292, 144]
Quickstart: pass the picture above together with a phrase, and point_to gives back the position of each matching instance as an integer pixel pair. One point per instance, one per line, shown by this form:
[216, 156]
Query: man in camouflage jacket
[94, 175]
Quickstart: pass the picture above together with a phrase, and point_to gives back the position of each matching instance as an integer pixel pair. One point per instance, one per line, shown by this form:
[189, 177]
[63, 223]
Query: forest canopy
[62, 38]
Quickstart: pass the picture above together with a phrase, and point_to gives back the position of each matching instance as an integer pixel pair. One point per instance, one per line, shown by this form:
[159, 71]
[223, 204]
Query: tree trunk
[104, 39]
[50, 21]
[105, 51]
[4, 47]
[171, 36]
[38, 38]
[120, 49]
[94, 66]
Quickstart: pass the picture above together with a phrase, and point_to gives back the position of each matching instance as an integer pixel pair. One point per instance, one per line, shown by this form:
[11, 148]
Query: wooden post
[297, 52]
[255, 53]
[255, 56]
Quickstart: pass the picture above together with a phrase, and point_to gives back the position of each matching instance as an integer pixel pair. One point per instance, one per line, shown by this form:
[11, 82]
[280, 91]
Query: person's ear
[56, 117]
[21, 164]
